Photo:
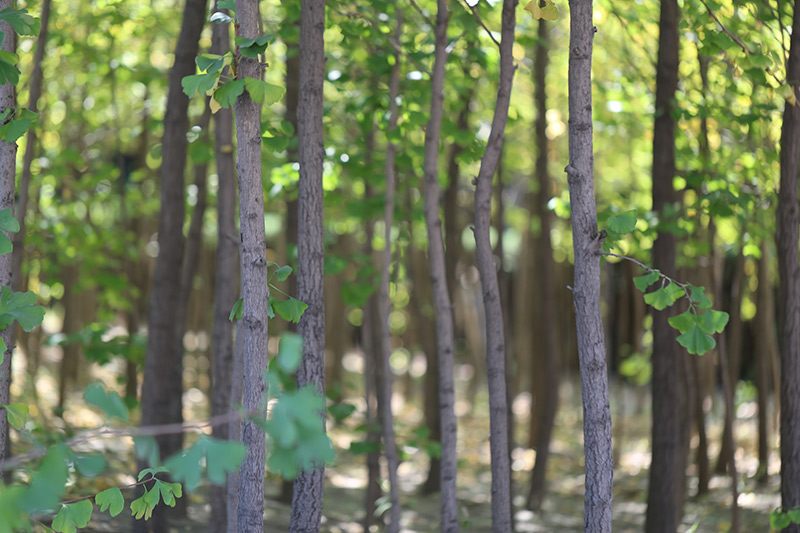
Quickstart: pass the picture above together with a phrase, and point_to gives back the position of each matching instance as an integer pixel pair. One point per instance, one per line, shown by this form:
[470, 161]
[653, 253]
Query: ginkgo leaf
[110, 499]
[663, 297]
[623, 223]
[547, 12]
[71, 516]
[696, 341]
[642, 282]
[263, 92]
[227, 93]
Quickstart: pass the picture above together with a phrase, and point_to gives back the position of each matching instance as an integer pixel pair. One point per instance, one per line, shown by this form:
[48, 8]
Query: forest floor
[563, 506]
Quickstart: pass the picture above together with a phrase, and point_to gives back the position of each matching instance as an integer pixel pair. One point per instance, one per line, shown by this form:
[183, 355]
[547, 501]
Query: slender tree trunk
[444, 312]
[766, 347]
[162, 386]
[789, 294]
[225, 286]
[586, 243]
[495, 337]
[252, 327]
[665, 498]
[307, 497]
[8, 163]
[370, 341]
[550, 369]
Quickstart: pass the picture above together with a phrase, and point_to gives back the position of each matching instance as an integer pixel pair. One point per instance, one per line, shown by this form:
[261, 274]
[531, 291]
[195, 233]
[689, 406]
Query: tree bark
[766, 348]
[789, 285]
[665, 498]
[252, 327]
[551, 363]
[308, 486]
[8, 172]
[225, 285]
[586, 243]
[444, 312]
[162, 385]
[495, 336]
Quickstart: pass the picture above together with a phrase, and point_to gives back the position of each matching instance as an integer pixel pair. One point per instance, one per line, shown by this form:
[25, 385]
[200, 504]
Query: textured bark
[225, 284]
[252, 327]
[307, 497]
[161, 387]
[586, 290]
[495, 336]
[765, 353]
[444, 313]
[370, 342]
[8, 158]
[789, 284]
[550, 368]
[665, 498]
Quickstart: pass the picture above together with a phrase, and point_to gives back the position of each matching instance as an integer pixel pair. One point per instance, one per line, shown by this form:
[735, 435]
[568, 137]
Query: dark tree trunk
[665, 498]
[163, 373]
[252, 328]
[550, 368]
[444, 313]
[308, 486]
[495, 336]
[8, 163]
[586, 243]
[765, 353]
[225, 287]
[789, 288]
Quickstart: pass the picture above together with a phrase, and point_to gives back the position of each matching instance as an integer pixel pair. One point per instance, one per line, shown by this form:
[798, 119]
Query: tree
[255, 290]
[586, 244]
[787, 237]
[307, 497]
[441, 296]
[495, 336]
[665, 495]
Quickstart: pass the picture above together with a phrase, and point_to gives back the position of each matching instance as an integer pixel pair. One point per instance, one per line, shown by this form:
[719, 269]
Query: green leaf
[8, 72]
[140, 508]
[198, 83]
[779, 520]
[220, 18]
[291, 310]
[696, 341]
[17, 414]
[794, 515]
[251, 47]
[169, 492]
[20, 306]
[547, 12]
[21, 21]
[713, 321]
[283, 273]
[13, 130]
[290, 352]
[684, 321]
[230, 5]
[89, 465]
[263, 92]
[624, 223]
[146, 449]
[227, 93]
[237, 310]
[223, 457]
[364, 447]
[47, 483]
[663, 297]
[209, 63]
[642, 282]
[698, 296]
[110, 499]
[72, 516]
[12, 517]
[107, 401]
[340, 411]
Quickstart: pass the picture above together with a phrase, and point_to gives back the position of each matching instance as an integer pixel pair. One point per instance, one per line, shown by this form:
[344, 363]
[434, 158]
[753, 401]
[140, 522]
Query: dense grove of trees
[253, 242]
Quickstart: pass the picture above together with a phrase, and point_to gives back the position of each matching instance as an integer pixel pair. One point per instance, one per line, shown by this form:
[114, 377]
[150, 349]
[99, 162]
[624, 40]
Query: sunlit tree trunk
[8, 161]
[252, 328]
[665, 498]
[225, 288]
[495, 336]
[789, 285]
[163, 373]
[586, 243]
[307, 497]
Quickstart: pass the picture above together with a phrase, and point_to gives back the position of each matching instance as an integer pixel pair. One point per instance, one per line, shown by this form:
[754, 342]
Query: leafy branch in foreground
[699, 322]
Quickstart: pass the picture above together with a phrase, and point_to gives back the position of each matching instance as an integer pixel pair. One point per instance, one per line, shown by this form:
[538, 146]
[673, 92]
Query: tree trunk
[162, 386]
[8, 163]
[766, 347]
[586, 243]
[789, 294]
[444, 313]
[550, 368]
[252, 327]
[495, 337]
[308, 486]
[225, 285]
[665, 498]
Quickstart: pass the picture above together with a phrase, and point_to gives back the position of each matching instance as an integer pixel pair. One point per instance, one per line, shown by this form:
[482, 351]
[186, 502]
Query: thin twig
[422, 14]
[122, 487]
[731, 35]
[684, 286]
[480, 21]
